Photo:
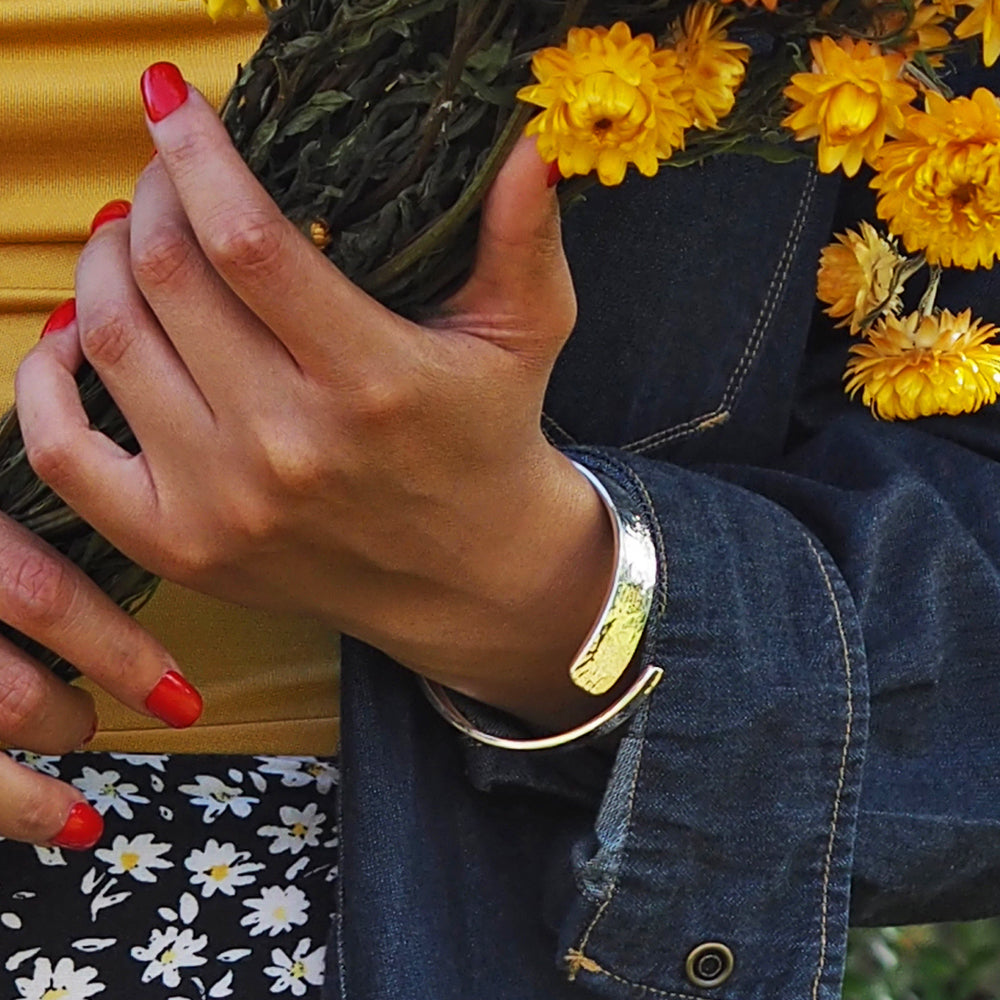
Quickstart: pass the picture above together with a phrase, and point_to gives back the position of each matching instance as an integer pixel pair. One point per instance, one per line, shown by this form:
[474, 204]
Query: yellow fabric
[72, 137]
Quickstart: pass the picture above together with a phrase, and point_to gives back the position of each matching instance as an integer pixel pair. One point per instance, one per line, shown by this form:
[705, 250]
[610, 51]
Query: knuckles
[51, 457]
[37, 592]
[106, 342]
[22, 704]
[251, 240]
[163, 259]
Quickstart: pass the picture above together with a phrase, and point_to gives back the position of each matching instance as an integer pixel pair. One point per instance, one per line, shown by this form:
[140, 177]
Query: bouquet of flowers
[378, 125]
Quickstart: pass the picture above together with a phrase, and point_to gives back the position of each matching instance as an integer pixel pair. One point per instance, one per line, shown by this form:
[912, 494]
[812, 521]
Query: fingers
[208, 325]
[246, 238]
[122, 339]
[38, 712]
[49, 599]
[107, 486]
[40, 810]
[521, 275]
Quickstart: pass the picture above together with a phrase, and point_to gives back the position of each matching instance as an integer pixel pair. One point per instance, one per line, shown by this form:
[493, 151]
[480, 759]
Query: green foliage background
[937, 962]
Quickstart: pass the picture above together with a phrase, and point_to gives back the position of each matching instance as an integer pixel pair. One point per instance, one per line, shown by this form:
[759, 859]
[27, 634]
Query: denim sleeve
[834, 616]
[730, 812]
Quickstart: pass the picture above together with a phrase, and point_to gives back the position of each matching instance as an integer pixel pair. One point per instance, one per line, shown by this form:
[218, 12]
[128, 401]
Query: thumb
[520, 285]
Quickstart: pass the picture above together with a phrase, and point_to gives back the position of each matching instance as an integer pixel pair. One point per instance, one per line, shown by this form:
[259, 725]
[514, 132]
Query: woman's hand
[51, 600]
[305, 449]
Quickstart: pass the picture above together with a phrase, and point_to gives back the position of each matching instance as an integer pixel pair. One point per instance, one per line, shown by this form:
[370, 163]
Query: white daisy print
[62, 980]
[102, 790]
[215, 796]
[298, 771]
[298, 972]
[303, 828]
[157, 761]
[51, 857]
[220, 868]
[37, 762]
[136, 856]
[169, 950]
[277, 909]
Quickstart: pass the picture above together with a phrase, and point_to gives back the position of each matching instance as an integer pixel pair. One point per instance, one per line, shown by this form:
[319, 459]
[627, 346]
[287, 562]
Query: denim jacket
[823, 745]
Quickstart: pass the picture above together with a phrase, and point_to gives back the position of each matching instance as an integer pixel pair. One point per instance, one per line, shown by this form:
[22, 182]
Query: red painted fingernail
[61, 317]
[113, 210]
[164, 90]
[83, 829]
[555, 174]
[175, 701]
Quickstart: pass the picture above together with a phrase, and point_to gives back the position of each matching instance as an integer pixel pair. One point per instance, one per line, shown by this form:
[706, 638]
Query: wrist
[556, 577]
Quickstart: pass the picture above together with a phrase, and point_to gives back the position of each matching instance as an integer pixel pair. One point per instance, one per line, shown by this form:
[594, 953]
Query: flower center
[297, 971]
[281, 914]
[219, 872]
[852, 111]
[608, 108]
[168, 957]
[55, 994]
[299, 830]
[129, 860]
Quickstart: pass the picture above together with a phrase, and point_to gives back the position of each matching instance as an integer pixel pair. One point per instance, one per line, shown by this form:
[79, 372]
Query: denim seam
[553, 425]
[767, 310]
[576, 958]
[576, 954]
[841, 778]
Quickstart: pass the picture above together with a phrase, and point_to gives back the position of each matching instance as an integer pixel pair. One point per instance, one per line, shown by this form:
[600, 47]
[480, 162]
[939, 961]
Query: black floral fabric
[215, 878]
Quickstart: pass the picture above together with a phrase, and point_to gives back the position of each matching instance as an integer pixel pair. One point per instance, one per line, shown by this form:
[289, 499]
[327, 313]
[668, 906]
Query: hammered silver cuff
[611, 644]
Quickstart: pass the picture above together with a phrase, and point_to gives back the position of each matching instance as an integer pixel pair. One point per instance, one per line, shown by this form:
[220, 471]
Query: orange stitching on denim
[848, 732]
[548, 422]
[578, 961]
[777, 285]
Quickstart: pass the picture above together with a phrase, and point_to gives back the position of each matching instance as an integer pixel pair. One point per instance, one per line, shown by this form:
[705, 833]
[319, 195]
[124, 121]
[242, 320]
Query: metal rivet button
[709, 965]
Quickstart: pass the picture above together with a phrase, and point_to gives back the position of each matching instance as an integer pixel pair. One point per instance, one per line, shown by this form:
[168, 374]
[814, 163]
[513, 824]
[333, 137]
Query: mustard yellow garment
[72, 137]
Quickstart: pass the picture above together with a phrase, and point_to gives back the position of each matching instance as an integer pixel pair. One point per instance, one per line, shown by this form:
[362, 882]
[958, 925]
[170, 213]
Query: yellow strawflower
[940, 183]
[923, 26]
[713, 67]
[769, 4]
[983, 19]
[852, 100]
[856, 275]
[609, 100]
[925, 366]
[233, 8]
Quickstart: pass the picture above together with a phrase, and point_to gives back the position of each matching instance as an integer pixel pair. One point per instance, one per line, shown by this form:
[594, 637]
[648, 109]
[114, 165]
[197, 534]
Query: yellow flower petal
[925, 366]
[852, 99]
[608, 100]
[856, 275]
[939, 185]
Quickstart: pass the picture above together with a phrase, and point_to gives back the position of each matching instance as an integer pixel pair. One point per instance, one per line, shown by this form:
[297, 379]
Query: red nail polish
[113, 210]
[175, 701]
[555, 174]
[91, 735]
[83, 829]
[164, 90]
[61, 317]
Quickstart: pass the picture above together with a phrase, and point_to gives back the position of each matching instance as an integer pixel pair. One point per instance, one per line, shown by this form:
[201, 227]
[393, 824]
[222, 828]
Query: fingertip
[83, 828]
[175, 701]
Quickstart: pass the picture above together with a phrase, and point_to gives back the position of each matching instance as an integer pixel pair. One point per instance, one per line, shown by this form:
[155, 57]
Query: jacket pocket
[682, 282]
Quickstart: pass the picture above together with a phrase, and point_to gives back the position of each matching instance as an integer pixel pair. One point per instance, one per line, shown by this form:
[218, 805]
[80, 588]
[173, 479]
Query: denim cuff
[729, 813]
